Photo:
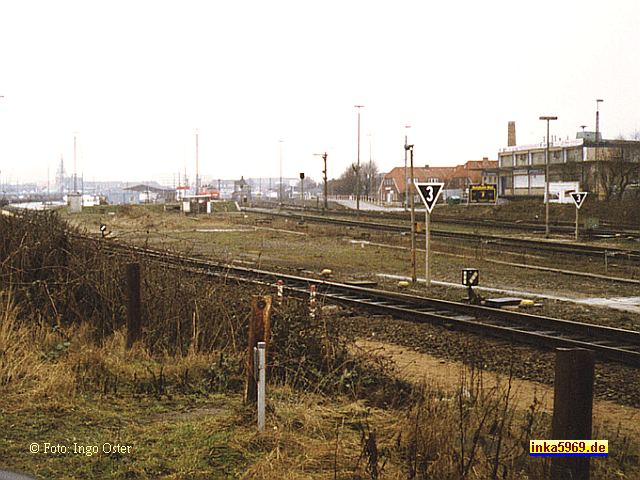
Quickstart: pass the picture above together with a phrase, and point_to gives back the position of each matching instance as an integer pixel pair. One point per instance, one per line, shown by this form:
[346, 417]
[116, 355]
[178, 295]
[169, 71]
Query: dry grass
[63, 352]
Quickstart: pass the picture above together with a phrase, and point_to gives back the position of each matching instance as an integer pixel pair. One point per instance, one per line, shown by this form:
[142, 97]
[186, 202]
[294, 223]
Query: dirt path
[416, 367]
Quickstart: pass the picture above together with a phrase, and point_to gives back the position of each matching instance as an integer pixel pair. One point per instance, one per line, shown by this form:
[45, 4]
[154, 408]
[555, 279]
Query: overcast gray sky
[136, 78]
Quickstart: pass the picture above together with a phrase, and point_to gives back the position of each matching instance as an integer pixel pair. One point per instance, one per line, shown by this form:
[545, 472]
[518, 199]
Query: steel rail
[539, 245]
[604, 229]
[608, 343]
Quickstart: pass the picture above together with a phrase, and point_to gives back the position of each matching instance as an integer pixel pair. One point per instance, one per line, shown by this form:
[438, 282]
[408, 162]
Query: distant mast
[75, 176]
[197, 167]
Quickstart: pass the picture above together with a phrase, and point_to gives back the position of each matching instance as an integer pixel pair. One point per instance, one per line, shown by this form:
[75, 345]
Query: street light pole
[414, 275]
[75, 176]
[280, 189]
[546, 180]
[358, 164]
[1, 96]
[197, 166]
[324, 178]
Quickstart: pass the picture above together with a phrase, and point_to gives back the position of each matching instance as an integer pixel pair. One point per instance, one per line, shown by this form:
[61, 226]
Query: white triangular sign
[429, 192]
[578, 198]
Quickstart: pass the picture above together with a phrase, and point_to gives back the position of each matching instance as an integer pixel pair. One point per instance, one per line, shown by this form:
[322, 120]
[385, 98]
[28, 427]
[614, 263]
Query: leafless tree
[346, 184]
[619, 168]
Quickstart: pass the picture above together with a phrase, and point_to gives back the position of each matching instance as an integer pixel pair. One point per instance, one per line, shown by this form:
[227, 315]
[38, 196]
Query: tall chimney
[511, 135]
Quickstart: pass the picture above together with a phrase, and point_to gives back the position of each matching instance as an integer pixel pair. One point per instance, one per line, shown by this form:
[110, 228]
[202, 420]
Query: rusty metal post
[572, 408]
[259, 326]
[133, 303]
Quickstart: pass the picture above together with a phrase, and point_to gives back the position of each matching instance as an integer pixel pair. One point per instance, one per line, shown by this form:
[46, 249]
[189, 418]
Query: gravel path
[614, 382]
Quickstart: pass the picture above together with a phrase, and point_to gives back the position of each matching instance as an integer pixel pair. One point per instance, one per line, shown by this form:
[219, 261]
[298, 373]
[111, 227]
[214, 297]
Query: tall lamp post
[546, 180]
[280, 189]
[324, 178]
[1, 96]
[414, 275]
[358, 164]
[197, 166]
[75, 175]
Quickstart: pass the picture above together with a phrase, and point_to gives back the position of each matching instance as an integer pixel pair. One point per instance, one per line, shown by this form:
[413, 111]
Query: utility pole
[414, 275]
[358, 164]
[324, 179]
[546, 180]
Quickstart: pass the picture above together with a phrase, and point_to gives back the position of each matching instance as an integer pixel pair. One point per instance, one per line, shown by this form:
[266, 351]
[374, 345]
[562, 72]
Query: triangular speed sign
[429, 192]
[578, 198]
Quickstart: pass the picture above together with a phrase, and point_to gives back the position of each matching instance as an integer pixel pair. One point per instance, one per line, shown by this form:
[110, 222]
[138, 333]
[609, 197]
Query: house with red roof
[394, 183]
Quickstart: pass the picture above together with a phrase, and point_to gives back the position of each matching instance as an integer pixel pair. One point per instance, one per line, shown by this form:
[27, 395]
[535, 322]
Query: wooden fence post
[572, 408]
[133, 303]
[259, 326]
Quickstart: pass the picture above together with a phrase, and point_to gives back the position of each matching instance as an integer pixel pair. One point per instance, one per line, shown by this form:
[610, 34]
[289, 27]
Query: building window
[522, 159]
[574, 155]
[506, 160]
[556, 156]
[537, 158]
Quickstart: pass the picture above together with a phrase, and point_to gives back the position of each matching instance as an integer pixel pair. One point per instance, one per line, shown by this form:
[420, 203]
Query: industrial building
[603, 167]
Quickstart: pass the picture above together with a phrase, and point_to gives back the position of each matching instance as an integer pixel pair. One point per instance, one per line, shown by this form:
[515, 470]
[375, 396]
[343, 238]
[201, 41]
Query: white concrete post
[280, 288]
[312, 301]
[262, 380]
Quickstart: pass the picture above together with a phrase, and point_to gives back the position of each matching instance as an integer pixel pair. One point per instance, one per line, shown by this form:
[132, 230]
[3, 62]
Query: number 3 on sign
[429, 192]
[429, 197]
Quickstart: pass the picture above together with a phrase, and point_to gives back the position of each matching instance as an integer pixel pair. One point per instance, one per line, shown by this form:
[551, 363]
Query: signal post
[429, 192]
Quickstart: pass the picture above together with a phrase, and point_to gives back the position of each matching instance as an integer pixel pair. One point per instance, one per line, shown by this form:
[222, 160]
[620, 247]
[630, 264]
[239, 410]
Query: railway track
[608, 343]
[603, 230]
[549, 246]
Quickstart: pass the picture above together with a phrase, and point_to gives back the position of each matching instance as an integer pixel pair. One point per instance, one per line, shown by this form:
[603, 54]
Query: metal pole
[75, 175]
[597, 138]
[546, 180]
[414, 275]
[370, 184]
[197, 168]
[546, 188]
[577, 235]
[358, 165]
[358, 169]
[262, 379]
[427, 237]
[326, 204]
[324, 178]
[406, 179]
[280, 189]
